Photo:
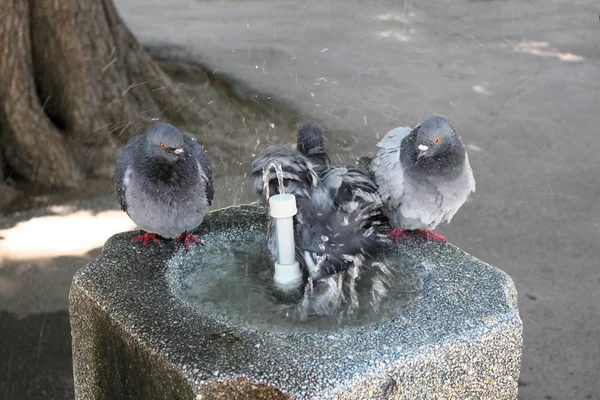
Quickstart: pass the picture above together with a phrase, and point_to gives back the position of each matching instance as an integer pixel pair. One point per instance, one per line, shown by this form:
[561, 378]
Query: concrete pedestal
[134, 338]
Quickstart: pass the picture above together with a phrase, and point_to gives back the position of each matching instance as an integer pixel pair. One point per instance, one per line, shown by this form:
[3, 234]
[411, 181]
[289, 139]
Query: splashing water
[230, 279]
[276, 165]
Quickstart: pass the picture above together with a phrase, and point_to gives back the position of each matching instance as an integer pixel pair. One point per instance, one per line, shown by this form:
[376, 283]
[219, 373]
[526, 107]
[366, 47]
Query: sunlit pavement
[69, 232]
[518, 79]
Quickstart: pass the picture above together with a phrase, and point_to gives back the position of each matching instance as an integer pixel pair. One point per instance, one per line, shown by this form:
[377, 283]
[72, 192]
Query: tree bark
[74, 86]
[31, 144]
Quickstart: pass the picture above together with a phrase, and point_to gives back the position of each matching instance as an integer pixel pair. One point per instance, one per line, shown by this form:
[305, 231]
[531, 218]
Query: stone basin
[139, 334]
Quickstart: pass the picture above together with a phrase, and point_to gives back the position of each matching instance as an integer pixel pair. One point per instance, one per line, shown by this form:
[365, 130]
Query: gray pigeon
[339, 209]
[163, 181]
[423, 175]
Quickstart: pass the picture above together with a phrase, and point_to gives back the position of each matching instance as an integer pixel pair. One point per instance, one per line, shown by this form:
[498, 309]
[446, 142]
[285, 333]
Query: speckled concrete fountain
[138, 333]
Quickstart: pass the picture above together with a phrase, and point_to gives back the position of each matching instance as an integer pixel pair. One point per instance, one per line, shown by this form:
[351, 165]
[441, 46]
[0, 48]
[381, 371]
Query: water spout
[276, 165]
[282, 207]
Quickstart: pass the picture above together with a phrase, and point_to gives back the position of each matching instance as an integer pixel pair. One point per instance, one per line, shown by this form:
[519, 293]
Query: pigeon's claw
[432, 235]
[397, 233]
[186, 237]
[146, 237]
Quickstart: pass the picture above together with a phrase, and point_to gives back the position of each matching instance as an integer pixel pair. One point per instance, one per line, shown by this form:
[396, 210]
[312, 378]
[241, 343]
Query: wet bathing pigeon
[339, 209]
[163, 181]
[423, 175]
[337, 205]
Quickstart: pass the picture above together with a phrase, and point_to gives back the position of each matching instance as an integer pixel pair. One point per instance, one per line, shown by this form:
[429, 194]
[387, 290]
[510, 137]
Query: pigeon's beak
[422, 151]
[178, 151]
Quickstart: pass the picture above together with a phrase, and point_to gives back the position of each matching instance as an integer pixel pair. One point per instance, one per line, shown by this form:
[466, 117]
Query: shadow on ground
[35, 344]
[37, 356]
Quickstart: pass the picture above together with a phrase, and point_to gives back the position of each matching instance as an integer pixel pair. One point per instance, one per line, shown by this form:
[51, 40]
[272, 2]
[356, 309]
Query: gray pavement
[518, 78]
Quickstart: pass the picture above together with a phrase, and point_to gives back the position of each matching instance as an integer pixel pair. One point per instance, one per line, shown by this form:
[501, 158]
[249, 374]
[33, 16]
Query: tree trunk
[74, 86]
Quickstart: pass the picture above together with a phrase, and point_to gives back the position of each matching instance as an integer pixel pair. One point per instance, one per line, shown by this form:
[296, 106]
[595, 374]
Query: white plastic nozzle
[282, 207]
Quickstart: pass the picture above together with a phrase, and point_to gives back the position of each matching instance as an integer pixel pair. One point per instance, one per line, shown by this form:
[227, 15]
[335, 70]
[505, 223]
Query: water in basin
[230, 278]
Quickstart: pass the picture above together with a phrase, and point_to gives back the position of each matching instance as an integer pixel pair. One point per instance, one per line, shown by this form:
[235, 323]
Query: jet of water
[276, 165]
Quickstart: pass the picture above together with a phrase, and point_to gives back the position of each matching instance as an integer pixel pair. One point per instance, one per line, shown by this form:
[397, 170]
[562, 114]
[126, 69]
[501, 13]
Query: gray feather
[299, 175]
[123, 171]
[199, 154]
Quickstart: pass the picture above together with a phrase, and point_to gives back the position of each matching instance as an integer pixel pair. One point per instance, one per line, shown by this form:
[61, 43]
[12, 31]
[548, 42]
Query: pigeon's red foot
[397, 233]
[146, 237]
[186, 237]
[431, 235]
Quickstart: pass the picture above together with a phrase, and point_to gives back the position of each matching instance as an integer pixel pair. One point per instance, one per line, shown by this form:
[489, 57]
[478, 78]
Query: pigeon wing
[455, 193]
[386, 168]
[123, 171]
[468, 171]
[299, 175]
[204, 162]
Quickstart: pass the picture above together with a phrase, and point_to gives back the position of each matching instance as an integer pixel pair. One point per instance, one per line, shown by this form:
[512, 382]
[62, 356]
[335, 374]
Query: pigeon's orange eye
[437, 140]
[163, 146]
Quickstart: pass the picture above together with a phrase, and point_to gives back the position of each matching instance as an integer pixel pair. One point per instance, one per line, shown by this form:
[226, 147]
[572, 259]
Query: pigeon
[163, 181]
[423, 175]
[338, 207]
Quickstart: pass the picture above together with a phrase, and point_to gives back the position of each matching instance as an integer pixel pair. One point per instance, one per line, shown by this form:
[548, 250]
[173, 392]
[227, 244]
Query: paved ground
[518, 78]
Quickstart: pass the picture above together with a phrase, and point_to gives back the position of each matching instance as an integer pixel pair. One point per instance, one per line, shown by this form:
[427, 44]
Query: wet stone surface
[136, 318]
